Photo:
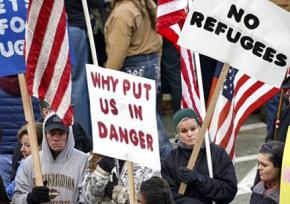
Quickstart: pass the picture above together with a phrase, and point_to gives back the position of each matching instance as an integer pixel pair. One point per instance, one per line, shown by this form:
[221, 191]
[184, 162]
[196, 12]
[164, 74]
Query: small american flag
[171, 15]
[47, 57]
[241, 95]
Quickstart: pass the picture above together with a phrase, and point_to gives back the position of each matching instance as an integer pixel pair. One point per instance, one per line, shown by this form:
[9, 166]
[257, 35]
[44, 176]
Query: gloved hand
[190, 176]
[120, 195]
[107, 163]
[39, 194]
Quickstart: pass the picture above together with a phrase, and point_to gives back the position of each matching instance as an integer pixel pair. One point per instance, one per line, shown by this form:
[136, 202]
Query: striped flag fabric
[47, 56]
[171, 15]
[240, 96]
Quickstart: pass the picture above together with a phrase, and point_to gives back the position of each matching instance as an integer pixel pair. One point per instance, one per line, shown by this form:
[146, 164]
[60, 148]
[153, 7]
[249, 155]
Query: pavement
[250, 138]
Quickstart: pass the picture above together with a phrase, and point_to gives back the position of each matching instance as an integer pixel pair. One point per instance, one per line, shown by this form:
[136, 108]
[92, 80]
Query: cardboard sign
[12, 30]
[123, 114]
[285, 174]
[249, 35]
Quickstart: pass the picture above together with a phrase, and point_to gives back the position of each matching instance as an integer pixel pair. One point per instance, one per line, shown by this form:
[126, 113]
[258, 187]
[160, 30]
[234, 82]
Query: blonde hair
[23, 130]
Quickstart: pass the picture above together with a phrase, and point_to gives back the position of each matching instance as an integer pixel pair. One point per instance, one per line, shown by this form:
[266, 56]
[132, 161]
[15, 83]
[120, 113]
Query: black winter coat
[75, 12]
[221, 189]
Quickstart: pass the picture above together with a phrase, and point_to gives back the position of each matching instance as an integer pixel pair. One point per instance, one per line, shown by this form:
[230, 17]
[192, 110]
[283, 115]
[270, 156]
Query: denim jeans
[5, 167]
[80, 96]
[148, 66]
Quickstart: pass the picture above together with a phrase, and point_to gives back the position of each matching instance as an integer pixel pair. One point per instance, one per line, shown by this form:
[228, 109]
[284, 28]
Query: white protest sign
[249, 35]
[123, 114]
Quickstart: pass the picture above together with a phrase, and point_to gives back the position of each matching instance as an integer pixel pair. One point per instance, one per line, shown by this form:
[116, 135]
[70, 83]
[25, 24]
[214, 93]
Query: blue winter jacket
[11, 119]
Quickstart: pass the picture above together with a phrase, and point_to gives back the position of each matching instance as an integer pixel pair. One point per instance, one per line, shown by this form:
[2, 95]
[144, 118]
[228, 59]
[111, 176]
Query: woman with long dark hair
[267, 191]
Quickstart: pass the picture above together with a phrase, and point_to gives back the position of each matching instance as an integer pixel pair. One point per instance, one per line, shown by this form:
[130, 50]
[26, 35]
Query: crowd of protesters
[72, 175]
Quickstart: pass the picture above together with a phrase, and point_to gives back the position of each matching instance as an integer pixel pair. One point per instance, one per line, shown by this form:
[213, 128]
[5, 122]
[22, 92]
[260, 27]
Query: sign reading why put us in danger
[250, 35]
[123, 114]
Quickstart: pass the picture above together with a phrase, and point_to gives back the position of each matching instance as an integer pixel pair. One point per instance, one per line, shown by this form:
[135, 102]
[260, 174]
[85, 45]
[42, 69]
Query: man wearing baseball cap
[62, 165]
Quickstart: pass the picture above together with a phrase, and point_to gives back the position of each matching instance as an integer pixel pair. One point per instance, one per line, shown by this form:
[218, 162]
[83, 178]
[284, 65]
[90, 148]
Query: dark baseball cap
[54, 122]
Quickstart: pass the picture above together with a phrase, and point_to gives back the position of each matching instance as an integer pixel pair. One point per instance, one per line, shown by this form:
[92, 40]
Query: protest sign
[249, 35]
[123, 114]
[12, 30]
[285, 175]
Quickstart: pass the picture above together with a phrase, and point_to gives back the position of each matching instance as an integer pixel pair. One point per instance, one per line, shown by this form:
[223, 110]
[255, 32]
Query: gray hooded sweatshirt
[65, 173]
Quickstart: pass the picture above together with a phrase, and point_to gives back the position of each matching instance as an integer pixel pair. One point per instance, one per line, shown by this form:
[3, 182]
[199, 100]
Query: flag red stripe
[183, 103]
[232, 152]
[227, 136]
[68, 116]
[222, 117]
[170, 19]
[185, 74]
[248, 93]
[63, 85]
[254, 106]
[240, 83]
[224, 113]
[50, 68]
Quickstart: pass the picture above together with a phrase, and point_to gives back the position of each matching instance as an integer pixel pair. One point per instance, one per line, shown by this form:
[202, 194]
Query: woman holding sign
[134, 47]
[222, 188]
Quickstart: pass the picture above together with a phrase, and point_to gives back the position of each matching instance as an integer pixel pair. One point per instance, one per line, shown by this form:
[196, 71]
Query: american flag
[47, 57]
[171, 15]
[241, 95]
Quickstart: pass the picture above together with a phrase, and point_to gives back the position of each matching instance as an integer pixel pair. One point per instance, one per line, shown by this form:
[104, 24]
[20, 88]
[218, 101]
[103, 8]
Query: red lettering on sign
[134, 137]
[126, 86]
[102, 130]
[149, 140]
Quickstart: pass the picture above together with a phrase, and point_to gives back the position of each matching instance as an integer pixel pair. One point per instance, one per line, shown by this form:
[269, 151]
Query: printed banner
[249, 35]
[285, 175]
[12, 30]
[123, 114]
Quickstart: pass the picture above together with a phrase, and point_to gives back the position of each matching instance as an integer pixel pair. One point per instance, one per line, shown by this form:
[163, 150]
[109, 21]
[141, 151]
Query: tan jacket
[285, 4]
[127, 33]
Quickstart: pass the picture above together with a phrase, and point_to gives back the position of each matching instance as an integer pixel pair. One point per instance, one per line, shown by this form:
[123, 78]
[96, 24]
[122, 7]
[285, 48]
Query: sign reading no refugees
[123, 116]
[250, 35]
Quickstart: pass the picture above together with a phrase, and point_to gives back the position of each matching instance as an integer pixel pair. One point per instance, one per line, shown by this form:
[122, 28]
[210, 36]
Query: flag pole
[131, 182]
[205, 123]
[29, 117]
[203, 112]
[90, 32]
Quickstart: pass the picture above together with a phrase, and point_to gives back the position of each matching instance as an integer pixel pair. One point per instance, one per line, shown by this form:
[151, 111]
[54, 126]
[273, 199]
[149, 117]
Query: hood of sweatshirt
[65, 154]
